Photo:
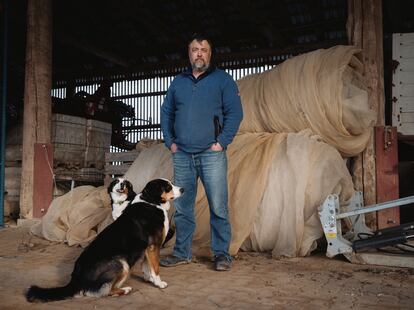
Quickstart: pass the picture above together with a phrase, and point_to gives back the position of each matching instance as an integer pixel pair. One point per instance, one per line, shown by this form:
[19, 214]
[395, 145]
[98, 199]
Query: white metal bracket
[330, 216]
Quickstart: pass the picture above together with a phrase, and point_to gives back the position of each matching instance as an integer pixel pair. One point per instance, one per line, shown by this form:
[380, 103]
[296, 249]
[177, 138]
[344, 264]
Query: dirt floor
[256, 281]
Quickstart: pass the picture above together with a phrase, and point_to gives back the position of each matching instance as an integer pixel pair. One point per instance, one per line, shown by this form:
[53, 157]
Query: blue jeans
[211, 167]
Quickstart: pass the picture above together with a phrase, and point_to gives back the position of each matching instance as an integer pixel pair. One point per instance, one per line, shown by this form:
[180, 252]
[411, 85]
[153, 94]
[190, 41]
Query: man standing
[200, 116]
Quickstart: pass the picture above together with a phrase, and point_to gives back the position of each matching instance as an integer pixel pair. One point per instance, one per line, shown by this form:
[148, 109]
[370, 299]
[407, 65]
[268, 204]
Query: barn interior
[102, 44]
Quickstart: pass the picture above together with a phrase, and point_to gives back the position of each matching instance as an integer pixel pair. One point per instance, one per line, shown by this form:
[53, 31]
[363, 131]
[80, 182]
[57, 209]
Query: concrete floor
[256, 281]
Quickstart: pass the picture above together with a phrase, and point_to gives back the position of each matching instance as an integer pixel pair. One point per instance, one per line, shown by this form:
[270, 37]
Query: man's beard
[200, 65]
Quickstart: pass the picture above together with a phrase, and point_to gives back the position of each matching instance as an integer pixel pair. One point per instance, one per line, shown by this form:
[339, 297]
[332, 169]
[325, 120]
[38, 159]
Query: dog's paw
[161, 284]
[126, 289]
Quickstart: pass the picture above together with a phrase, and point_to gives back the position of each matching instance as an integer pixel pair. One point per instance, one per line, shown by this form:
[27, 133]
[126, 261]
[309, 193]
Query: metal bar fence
[146, 94]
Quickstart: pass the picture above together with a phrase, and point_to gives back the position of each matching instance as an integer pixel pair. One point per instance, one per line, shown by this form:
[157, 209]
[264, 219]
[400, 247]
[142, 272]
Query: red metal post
[42, 178]
[386, 150]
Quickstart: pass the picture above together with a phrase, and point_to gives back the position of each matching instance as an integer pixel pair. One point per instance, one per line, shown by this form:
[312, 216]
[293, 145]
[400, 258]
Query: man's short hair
[200, 37]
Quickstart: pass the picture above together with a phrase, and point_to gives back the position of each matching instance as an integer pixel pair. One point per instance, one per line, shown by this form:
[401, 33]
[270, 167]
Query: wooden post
[364, 29]
[37, 94]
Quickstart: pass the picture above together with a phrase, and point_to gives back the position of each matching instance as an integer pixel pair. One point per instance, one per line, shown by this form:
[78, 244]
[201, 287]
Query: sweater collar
[189, 72]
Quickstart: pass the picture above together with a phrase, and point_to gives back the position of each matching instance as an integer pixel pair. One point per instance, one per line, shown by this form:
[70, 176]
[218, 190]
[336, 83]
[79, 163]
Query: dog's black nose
[181, 190]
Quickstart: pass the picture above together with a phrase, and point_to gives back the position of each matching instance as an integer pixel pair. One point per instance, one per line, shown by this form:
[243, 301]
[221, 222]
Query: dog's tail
[36, 293]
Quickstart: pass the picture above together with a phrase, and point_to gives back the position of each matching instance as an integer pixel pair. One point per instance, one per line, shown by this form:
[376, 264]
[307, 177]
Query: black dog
[136, 235]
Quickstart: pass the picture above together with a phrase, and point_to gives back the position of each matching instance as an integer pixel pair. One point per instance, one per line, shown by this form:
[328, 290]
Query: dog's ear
[130, 188]
[152, 192]
[128, 185]
[166, 188]
[111, 185]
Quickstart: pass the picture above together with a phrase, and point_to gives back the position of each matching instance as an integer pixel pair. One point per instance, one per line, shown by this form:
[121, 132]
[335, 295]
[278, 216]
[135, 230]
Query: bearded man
[200, 116]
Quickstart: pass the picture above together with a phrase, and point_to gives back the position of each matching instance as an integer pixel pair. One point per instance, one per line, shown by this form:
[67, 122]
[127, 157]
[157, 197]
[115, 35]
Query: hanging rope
[50, 169]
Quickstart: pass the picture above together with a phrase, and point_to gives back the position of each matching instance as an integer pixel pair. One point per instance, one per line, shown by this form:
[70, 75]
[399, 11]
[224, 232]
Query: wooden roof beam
[93, 50]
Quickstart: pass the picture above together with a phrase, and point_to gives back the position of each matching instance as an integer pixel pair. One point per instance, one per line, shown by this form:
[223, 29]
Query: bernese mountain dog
[122, 194]
[136, 235]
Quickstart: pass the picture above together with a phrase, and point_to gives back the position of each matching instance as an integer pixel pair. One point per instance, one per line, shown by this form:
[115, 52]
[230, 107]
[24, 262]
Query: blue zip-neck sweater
[191, 105]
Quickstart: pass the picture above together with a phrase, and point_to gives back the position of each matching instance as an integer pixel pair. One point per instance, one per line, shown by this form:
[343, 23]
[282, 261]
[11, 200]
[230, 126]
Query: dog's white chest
[165, 207]
[117, 209]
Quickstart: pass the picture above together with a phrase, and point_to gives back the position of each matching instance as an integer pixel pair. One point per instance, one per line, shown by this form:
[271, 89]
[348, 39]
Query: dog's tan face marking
[123, 191]
[173, 193]
[167, 196]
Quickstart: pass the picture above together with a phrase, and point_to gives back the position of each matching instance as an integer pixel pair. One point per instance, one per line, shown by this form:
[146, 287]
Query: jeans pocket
[215, 151]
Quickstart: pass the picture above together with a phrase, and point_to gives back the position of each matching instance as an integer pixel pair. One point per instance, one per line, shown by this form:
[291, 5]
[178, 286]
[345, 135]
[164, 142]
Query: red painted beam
[386, 150]
[42, 178]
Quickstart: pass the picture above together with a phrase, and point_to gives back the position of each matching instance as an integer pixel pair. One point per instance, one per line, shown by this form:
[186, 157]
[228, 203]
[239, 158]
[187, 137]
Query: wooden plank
[406, 64]
[14, 155]
[406, 129]
[403, 84]
[354, 32]
[12, 182]
[373, 56]
[405, 104]
[369, 181]
[117, 169]
[382, 259]
[407, 51]
[408, 37]
[364, 28]
[407, 77]
[122, 157]
[407, 90]
[407, 117]
[86, 46]
[42, 178]
[386, 142]
[354, 22]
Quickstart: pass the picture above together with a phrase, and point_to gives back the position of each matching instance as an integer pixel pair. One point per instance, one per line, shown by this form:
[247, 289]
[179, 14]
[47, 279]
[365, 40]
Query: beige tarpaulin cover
[322, 90]
[276, 180]
[276, 183]
[76, 217]
[303, 172]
